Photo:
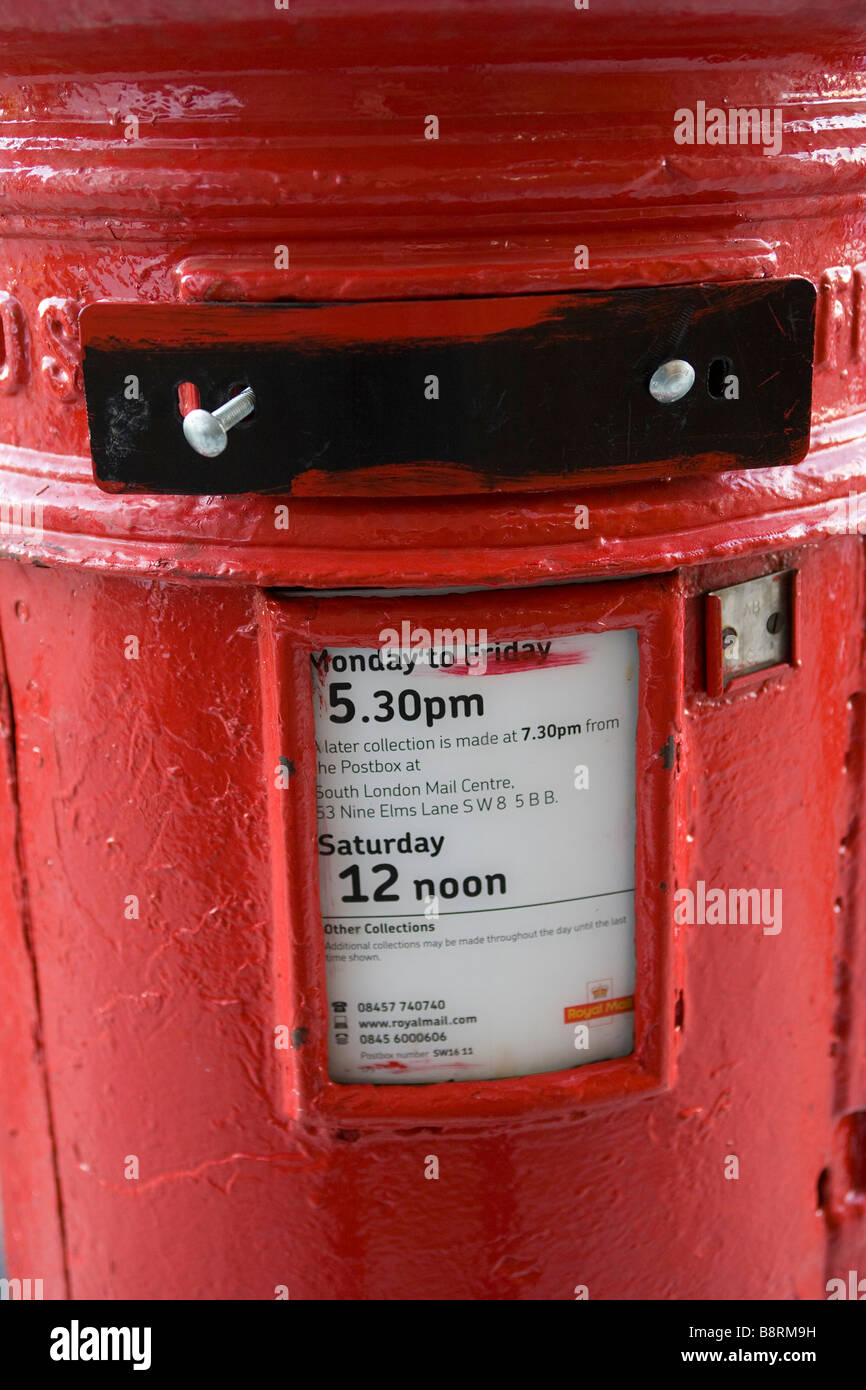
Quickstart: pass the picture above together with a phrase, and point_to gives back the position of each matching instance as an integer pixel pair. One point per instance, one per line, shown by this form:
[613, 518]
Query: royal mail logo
[579, 1013]
[599, 991]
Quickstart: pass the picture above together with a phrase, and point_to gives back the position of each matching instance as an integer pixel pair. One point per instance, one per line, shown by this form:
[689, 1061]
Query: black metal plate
[533, 390]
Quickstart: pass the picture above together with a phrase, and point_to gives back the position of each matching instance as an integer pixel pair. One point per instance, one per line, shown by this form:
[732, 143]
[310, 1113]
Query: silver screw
[729, 638]
[672, 380]
[207, 432]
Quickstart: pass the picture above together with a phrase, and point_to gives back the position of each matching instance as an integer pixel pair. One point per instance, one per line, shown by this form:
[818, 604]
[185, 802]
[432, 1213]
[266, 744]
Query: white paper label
[476, 853]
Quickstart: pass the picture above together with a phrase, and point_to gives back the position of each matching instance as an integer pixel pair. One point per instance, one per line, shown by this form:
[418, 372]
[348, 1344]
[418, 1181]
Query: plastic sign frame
[296, 626]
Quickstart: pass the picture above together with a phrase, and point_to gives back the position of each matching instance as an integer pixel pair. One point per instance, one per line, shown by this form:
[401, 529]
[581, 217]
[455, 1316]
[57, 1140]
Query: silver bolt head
[672, 380]
[205, 434]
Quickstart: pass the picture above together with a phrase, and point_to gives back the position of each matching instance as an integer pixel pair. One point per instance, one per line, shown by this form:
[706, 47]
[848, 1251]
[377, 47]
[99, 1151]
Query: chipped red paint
[153, 1036]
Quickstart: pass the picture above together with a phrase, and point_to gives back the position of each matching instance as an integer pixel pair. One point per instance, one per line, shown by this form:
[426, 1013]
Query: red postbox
[432, 813]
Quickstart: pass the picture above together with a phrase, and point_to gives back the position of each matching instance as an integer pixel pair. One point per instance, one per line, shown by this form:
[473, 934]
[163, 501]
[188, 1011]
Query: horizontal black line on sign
[470, 911]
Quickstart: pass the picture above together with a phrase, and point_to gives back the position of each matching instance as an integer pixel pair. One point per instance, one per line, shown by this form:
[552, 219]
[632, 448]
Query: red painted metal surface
[154, 1036]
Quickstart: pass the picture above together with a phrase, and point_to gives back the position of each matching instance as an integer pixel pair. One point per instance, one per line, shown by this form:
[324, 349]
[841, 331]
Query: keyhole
[719, 369]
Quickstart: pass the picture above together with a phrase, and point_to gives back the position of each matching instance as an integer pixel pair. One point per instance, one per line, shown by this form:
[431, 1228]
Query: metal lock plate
[750, 627]
[447, 396]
